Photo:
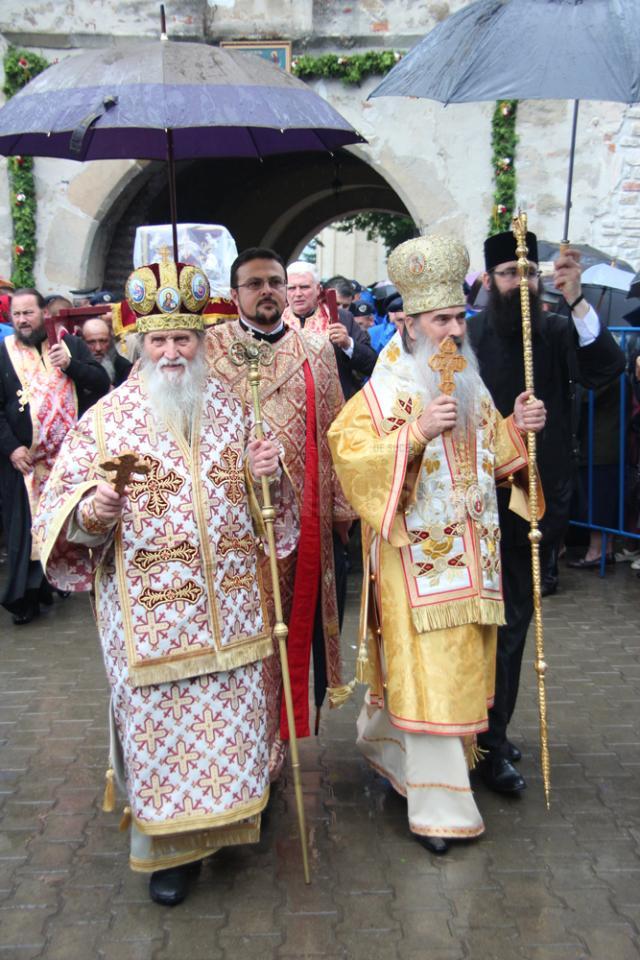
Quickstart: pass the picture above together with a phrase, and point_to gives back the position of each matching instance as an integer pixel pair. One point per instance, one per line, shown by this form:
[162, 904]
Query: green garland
[351, 69]
[503, 141]
[19, 67]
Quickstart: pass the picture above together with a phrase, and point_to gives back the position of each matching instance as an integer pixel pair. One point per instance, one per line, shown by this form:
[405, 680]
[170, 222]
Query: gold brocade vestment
[430, 530]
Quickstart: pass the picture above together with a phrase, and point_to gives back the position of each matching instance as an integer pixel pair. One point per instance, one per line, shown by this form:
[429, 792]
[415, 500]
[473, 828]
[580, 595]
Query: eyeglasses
[254, 285]
[512, 272]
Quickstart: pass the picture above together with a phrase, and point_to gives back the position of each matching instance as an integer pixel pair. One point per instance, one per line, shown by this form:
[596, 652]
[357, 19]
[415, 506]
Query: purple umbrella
[168, 100]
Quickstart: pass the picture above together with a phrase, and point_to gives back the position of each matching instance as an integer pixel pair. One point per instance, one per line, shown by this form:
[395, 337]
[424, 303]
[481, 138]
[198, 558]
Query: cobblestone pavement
[558, 885]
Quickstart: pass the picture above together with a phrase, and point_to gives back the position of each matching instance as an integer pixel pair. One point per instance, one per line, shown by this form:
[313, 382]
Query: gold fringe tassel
[473, 754]
[109, 798]
[125, 820]
[362, 663]
[338, 696]
[458, 613]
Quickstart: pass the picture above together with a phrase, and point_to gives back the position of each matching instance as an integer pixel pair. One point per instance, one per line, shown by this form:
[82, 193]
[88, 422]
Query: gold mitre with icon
[168, 296]
[429, 273]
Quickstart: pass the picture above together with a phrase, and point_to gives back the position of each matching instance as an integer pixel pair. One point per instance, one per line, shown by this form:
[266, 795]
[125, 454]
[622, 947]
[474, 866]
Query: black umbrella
[610, 304]
[527, 50]
[168, 100]
[634, 289]
[589, 256]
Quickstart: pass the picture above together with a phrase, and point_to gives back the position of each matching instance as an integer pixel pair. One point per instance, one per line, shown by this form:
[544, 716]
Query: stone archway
[279, 202]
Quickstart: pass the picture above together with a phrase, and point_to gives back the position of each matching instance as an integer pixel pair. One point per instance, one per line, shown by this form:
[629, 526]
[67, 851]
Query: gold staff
[535, 536]
[253, 355]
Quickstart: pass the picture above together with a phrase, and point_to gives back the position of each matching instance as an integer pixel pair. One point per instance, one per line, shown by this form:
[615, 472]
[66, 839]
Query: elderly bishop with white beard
[173, 557]
[420, 466]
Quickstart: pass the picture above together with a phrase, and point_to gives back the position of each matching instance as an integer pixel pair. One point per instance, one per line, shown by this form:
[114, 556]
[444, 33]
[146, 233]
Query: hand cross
[124, 465]
[446, 362]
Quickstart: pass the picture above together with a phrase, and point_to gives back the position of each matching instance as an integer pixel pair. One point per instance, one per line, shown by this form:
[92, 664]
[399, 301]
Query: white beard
[175, 396]
[469, 386]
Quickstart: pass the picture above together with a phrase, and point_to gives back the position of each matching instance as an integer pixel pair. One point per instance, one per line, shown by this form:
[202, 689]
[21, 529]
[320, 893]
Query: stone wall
[436, 159]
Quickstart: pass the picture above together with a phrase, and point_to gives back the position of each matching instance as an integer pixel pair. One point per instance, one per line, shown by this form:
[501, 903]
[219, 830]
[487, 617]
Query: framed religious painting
[277, 52]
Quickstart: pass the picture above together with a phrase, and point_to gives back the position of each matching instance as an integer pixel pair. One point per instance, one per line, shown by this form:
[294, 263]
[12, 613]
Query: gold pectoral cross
[447, 361]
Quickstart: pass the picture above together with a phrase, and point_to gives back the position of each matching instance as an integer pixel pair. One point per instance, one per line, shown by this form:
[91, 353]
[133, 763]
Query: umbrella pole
[253, 356]
[535, 536]
[564, 243]
[173, 199]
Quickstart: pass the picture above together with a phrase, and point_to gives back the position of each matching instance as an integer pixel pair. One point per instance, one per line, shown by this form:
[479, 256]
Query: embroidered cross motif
[208, 726]
[214, 781]
[157, 485]
[182, 758]
[184, 552]
[188, 591]
[231, 527]
[150, 736]
[233, 693]
[446, 362]
[254, 716]
[175, 702]
[229, 476]
[239, 749]
[244, 544]
[234, 582]
[152, 631]
[120, 411]
[156, 791]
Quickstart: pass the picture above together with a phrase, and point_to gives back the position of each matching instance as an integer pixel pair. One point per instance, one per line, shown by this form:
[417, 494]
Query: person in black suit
[307, 310]
[98, 336]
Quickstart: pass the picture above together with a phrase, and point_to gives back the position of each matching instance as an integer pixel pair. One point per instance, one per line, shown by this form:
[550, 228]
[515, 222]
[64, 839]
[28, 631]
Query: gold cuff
[89, 520]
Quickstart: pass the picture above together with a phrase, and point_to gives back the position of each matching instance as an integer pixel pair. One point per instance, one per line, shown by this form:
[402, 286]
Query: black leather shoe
[548, 588]
[514, 754]
[170, 887]
[437, 845]
[26, 615]
[500, 775]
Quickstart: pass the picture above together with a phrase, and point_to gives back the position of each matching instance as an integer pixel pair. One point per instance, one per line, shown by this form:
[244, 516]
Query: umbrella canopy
[168, 101]
[604, 275]
[525, 50]
[121, 102]
[634, 289]
[548, 250]
[610, 304]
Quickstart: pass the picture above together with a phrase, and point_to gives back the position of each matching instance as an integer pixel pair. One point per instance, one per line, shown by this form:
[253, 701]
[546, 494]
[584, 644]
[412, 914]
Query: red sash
[307, 580]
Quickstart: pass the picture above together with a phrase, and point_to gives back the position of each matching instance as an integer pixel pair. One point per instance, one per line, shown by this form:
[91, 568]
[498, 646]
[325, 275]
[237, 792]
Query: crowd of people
[394, 414]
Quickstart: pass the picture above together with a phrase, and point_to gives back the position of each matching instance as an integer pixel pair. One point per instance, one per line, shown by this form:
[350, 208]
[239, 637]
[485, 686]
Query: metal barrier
[622, 335]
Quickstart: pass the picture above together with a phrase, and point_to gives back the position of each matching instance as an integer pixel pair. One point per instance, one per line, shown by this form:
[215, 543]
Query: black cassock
[92, 382]
[559, 363]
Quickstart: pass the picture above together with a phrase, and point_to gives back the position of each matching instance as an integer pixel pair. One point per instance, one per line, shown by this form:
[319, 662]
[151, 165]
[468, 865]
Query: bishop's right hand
[107, 504]
[440, 416]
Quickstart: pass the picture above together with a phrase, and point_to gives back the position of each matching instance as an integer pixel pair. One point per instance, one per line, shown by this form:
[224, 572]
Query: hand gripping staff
[535, 536]
[254, 354]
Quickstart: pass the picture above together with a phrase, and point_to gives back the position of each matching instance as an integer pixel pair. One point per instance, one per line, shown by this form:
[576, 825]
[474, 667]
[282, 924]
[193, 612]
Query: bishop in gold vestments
[420, 468]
